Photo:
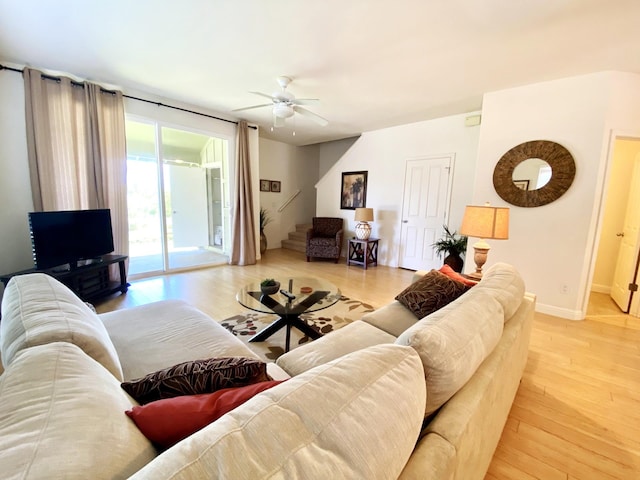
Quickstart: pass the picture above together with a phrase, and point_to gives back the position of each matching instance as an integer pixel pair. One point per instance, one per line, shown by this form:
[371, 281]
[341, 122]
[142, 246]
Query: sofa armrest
[432, 459]
[310, 234]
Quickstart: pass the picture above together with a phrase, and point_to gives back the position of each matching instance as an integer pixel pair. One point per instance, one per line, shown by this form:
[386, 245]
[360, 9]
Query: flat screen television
[69, 237]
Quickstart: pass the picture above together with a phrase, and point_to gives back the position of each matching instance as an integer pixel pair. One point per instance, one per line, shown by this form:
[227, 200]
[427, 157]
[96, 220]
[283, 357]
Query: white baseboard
[560, 312]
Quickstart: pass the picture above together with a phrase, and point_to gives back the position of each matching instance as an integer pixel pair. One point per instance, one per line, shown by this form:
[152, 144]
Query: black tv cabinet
[88, 281]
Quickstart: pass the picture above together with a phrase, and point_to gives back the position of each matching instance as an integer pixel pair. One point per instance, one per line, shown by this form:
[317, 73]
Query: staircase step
[298, 246]
[303, 227]
[298, 236]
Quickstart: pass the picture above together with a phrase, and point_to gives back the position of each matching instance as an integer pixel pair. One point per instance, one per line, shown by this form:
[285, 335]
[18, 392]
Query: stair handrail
[289, 200]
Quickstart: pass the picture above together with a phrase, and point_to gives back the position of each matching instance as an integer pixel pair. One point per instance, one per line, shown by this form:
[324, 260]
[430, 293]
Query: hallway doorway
[616, 262]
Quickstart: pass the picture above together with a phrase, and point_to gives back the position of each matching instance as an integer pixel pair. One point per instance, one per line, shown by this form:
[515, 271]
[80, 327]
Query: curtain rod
[159, 104]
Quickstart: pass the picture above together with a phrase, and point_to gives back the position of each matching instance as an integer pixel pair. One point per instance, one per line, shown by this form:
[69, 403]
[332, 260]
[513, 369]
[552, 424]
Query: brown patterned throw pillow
[430, 293]
[197, 376]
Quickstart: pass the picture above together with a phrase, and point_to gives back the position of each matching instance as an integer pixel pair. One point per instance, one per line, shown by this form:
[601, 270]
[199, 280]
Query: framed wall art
[353, 191]
[275, 186]
[265, 185]
[522, 184]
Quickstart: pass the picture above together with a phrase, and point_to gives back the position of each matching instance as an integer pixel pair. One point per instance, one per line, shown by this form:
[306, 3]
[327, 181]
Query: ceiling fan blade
[263, 95]
[278, 122]
[313, 116]
[254, 106]
[305, 101]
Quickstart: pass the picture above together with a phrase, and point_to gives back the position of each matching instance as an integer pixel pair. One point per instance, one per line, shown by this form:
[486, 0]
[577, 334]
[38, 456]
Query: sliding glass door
[178, 198]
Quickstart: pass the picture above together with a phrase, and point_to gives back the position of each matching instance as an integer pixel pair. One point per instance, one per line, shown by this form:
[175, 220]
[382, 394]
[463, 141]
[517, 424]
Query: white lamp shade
[485, 222]
[364, 215]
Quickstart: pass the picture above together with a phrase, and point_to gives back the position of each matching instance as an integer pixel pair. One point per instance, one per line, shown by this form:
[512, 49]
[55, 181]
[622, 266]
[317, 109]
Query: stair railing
[289, 200]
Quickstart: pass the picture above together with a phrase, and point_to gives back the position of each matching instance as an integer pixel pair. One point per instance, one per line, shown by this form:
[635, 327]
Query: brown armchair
[324, 239]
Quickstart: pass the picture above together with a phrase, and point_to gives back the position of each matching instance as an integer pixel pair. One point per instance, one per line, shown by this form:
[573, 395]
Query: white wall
[15, 189]
[331, 152]
[297, 169]
[553, 246]
[624, 154]
[384, 153]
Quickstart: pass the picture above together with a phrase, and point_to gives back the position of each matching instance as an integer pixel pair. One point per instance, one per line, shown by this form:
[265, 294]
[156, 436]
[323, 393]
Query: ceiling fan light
[282, 111]
[278, 122]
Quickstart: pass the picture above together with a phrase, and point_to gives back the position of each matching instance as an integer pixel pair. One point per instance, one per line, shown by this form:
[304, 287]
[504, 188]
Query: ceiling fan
[285, 105]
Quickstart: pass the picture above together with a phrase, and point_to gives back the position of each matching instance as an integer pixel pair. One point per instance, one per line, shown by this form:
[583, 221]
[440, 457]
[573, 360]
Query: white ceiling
[372, 63]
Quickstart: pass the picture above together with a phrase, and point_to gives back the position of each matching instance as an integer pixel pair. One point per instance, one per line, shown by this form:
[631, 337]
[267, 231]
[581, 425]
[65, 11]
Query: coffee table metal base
[289, 317]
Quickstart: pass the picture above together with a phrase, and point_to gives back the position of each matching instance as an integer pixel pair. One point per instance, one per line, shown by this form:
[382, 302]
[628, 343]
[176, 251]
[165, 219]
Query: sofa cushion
[393, 318]
[166, 422]
[323, 241]
[62, 416]
[351, 337]
[356, 417]
[430, 293]
[453, 342]
[276, 372]
[197, 376]
[506, 285]
[162, 334]
[38, 309]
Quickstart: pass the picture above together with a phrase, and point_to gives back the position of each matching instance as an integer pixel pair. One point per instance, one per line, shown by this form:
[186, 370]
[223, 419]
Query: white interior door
[424, 210]
[625, 271]
[190, 223]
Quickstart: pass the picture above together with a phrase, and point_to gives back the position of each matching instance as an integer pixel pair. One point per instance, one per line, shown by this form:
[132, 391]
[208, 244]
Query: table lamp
[363, 229]
[484, 222]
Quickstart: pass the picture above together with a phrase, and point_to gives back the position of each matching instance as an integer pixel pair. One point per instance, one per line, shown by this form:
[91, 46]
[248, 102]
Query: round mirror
[531, 174]
[534, 173]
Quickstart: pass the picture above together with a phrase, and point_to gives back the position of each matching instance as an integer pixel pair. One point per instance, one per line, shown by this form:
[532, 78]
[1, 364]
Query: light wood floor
[577, 413]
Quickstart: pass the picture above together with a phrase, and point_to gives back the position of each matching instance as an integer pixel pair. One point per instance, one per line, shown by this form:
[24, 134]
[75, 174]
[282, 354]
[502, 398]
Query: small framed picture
[353, 190]
[275, 185]
[265, 185]
[522, 184]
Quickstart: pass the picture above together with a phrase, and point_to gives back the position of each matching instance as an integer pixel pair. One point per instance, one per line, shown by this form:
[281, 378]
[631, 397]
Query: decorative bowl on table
[270, 289]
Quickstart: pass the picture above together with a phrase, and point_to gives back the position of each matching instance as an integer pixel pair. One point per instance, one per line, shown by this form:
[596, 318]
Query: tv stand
[87, 262]
[88, 281]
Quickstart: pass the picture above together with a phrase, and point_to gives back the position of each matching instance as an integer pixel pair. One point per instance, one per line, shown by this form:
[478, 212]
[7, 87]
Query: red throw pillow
[451, 273]
[165, 422]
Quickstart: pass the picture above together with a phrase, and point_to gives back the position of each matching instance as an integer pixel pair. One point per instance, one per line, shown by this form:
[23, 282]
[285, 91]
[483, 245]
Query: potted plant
[454, 246]
[269, 286]
[265, 220]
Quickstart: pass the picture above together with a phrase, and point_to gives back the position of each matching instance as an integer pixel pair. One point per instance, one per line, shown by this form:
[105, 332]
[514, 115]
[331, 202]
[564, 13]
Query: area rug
[246, 325]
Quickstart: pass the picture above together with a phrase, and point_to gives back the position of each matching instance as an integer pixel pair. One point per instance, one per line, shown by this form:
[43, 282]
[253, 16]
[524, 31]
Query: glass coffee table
[296, 296]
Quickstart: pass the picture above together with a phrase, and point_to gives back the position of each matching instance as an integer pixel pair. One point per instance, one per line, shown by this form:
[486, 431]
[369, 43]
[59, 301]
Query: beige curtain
[243, 247]
[77, 148]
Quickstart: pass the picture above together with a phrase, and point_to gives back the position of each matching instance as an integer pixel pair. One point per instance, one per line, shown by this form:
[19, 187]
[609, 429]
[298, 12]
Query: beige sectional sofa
[354, 407]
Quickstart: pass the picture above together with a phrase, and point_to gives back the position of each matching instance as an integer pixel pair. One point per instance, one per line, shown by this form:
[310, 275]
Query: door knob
[405, 221]
[621, 234]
